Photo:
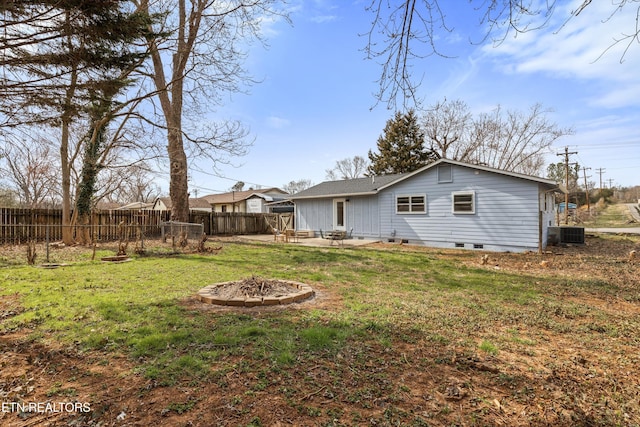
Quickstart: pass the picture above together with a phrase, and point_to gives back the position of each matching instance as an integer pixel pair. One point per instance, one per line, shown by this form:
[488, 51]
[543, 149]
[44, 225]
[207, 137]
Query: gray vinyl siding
[510, 209]
[361, 215]
[315, 214]
[505, 218]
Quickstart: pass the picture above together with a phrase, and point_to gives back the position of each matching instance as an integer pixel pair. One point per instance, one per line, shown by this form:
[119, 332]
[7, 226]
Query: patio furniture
[291, 236]
[335, 236]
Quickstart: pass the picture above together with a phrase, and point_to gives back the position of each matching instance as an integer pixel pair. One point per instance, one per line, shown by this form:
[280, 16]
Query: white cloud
[583, 48]
[277, 122]
[321, 19]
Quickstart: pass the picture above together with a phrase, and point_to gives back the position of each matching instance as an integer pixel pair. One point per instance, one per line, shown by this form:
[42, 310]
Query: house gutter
[337, 195]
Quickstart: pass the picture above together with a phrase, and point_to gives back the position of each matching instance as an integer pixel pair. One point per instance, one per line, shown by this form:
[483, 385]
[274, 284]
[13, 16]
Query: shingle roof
[194, 203]
[199, 202]
[238, 196]
[348, 187]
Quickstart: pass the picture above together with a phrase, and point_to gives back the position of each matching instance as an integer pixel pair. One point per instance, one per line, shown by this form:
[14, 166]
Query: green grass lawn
[135, 306]
[384, 300]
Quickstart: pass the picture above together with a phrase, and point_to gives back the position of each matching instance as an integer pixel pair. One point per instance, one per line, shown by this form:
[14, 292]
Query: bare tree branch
[403, 31]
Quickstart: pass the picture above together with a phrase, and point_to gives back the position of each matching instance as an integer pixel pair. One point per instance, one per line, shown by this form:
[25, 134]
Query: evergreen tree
[401, 147]
[557, 172]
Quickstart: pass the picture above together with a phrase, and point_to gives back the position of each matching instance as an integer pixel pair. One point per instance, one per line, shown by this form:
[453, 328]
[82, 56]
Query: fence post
[46, 232]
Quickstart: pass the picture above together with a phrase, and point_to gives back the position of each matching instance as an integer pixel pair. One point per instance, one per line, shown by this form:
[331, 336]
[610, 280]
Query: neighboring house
[446, 204]
[195, 204]
[136, 206]
[251, 201]
[572, 207]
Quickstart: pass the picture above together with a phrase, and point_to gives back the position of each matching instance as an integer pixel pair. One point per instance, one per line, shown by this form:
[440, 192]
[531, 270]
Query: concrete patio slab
[311, 241]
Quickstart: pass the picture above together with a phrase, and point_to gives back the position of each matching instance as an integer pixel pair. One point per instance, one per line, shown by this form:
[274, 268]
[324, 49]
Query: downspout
[544, 194]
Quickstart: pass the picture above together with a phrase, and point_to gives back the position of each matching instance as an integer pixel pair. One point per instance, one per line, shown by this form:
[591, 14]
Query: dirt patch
[70, 388]
[605, 259]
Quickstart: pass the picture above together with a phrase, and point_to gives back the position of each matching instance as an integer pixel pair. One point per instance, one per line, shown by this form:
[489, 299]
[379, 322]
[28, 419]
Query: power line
[259, 185]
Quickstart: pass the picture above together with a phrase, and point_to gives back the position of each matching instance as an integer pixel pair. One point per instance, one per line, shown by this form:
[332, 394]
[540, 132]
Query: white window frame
[442, 179]
[410, 203]
[463, 193]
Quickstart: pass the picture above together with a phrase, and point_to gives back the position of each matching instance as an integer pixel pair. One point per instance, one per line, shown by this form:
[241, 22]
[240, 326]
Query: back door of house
[339, 214]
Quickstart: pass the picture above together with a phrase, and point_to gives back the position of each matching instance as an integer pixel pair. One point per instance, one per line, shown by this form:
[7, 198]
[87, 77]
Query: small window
[444, 174]
[464, 203]
[411, 204]
[459, 245]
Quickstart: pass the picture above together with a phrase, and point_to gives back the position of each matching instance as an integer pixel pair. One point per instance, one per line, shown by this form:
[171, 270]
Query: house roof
[238, 196]
[348, 187]
[372, 185]
[194, 203]
[108, 205]
[136, 205]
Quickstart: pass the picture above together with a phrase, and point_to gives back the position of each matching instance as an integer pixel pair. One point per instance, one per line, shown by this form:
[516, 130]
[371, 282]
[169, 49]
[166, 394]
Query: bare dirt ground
[513, 391]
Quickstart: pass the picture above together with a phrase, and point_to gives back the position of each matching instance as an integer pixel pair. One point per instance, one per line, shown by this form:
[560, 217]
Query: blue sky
[315, 104]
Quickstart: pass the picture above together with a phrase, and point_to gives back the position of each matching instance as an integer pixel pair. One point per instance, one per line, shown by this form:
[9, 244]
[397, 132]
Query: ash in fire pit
[255, 291]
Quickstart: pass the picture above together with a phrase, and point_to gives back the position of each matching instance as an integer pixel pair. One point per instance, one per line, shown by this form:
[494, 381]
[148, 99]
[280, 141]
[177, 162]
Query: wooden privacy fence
[21, 225]
[228, 223]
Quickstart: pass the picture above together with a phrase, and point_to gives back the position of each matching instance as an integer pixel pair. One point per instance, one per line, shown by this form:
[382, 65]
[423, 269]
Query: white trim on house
[412, 203]
[462, 204]
[478, 168]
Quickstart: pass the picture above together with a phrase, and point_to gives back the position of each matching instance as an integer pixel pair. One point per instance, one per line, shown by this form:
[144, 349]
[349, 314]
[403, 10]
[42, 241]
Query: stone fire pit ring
[213, 294]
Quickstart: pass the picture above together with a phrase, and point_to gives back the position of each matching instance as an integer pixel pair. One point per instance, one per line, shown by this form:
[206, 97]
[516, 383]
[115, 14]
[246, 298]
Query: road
[626, 230]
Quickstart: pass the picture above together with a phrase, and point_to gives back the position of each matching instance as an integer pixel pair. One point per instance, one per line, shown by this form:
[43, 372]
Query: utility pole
[566, 178]
[586, 190]
[610, 182]
[600, 172]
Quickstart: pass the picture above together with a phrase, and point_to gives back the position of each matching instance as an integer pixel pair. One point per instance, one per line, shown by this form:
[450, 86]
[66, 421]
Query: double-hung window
[464, 202]
[413, 203]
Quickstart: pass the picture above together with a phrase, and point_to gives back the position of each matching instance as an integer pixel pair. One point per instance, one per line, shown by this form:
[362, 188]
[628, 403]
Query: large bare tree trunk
[207, 31]
[178, 187]
[170, 94]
